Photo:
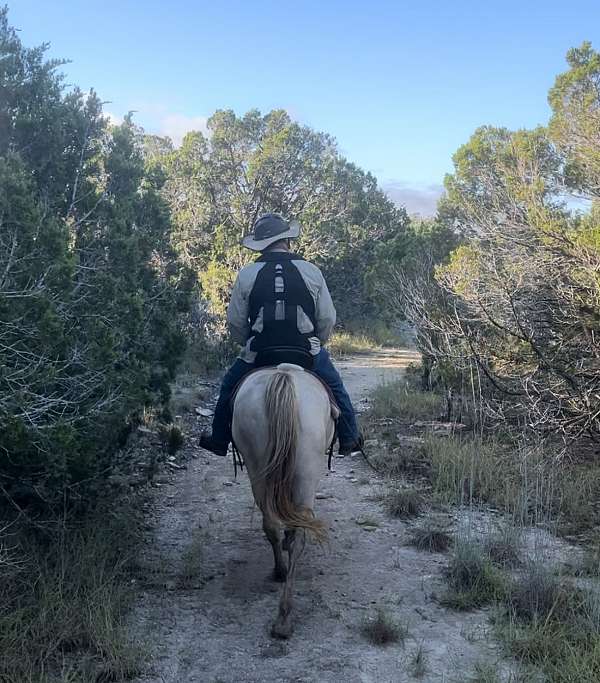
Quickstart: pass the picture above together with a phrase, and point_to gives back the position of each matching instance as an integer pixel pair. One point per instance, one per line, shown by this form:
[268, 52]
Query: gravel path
[206, 602]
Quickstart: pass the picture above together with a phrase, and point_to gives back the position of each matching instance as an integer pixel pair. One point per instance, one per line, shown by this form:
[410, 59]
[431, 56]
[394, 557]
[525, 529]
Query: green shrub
[92, 295]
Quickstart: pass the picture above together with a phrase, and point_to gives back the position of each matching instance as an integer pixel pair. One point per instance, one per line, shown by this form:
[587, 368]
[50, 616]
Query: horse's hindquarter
[250, 424]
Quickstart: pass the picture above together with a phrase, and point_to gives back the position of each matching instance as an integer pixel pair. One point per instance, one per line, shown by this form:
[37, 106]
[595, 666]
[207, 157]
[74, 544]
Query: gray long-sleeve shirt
[239, 306]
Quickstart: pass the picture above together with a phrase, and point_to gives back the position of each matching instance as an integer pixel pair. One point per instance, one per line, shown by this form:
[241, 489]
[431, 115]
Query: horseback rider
[281, 310]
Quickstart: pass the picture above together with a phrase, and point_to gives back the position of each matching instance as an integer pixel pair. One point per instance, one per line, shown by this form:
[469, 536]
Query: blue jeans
[323, 367]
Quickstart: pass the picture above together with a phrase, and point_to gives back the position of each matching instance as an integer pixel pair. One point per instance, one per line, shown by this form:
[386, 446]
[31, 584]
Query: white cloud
[416, 199]
[177, 125]
[113, 119]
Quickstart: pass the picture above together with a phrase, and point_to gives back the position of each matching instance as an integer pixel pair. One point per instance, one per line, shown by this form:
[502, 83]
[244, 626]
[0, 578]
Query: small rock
[171, 458]
[118, 480]
[354, 481]
[227, 483]
[322, 496]
[368, 527]
[146, 430]
[205, 412]
[175, 466]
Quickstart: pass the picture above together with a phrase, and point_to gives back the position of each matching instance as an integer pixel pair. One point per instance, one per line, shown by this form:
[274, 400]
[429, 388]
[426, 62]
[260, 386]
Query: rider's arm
[237, 313]
[324, 313]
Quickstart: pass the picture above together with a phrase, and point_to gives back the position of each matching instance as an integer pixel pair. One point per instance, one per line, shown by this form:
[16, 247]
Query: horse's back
[250, 420]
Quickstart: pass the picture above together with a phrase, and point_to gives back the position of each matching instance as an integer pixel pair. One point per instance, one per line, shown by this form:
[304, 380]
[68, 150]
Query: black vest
[280, 290]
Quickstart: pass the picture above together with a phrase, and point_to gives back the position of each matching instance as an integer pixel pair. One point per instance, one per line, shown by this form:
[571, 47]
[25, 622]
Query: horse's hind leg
[295, 540]
[271, 529]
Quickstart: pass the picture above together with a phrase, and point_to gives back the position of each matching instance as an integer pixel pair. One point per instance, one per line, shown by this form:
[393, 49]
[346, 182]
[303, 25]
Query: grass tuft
[403, 503]
[382, 629]
[172, 438]
[431, 538]
[418, 662]
[473, 581]
[504, 545]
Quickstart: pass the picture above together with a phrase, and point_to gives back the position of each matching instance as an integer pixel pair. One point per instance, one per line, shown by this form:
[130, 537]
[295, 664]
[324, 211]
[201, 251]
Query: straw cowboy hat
[269, 228]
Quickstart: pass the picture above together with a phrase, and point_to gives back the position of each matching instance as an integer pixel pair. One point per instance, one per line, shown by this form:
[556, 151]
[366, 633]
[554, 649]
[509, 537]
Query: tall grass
[348, 344]
[553, 625]
[63, 600]
[529, 483]
[396, 400]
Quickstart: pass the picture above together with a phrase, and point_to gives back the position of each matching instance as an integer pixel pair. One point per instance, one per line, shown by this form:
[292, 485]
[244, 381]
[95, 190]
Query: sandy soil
[206, 602]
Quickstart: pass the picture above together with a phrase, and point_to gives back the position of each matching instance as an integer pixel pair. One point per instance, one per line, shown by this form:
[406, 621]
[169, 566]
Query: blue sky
[399, 84]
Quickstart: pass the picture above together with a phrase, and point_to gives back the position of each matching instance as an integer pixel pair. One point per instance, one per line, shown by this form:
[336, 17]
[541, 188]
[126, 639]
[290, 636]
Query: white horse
[283, 422]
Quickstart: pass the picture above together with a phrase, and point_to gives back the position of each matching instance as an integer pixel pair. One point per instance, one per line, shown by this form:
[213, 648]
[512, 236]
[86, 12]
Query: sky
[400, 85]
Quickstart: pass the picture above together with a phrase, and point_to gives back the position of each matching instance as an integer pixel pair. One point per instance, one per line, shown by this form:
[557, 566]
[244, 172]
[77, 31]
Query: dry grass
[430, 537]
[396, 400]
[382, 629]
[473, 581]
[63, 604]
[348, 344]
[553, 625]
[504, 545]
[192, 561]
[172, 438]
[529, 482]
[418, 662]
[403, 503]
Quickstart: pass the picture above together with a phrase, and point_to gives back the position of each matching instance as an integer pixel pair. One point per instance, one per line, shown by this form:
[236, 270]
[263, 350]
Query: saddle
[281, 356]
[284, 362]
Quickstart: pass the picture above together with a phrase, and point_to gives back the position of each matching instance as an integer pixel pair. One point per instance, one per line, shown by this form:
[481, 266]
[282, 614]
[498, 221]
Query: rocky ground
[206, 602]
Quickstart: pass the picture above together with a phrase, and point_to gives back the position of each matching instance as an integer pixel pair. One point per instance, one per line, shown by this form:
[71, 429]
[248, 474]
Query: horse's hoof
[281, 629]
[279, 575]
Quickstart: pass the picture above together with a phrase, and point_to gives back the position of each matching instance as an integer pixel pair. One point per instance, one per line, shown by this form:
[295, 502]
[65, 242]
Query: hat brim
[258, 245]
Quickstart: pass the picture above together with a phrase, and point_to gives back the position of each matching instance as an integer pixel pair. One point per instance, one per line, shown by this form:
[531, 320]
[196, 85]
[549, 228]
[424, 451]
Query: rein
[238, 461]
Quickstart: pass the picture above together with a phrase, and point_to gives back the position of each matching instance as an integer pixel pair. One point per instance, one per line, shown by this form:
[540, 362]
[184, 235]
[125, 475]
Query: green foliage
[514, 311]
[217, 186]
[91, 294]
[575, 118]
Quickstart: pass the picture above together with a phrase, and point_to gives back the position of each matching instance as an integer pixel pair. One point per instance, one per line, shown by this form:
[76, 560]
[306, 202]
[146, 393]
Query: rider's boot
[208, 442]
[347, 448]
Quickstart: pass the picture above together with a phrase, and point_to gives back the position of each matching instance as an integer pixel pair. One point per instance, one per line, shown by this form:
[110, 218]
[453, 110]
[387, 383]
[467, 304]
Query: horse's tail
[283, 426]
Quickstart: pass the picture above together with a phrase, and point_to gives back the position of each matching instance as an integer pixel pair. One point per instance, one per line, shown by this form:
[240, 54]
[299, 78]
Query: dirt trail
[206, 602]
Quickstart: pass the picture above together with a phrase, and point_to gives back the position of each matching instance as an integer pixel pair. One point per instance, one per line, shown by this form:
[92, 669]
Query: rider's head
[271, 231]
